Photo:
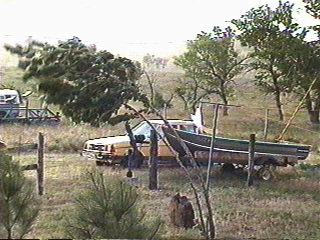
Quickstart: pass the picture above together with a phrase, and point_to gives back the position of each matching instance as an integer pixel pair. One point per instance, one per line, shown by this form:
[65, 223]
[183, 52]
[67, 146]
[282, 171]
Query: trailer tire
[266, 173]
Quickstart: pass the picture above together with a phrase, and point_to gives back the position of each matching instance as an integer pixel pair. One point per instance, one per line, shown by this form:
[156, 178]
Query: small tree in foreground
[108, 209]
[18, 203]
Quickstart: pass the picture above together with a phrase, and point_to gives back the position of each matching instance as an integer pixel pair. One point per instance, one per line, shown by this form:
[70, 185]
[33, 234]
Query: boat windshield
[144, 129]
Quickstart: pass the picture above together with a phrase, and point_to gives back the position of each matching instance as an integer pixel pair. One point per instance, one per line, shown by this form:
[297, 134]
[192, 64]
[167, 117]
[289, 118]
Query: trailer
[12, 110]
[234, 152]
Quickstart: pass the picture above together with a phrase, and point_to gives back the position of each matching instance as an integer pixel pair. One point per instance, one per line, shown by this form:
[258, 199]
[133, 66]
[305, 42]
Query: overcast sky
[126, 27]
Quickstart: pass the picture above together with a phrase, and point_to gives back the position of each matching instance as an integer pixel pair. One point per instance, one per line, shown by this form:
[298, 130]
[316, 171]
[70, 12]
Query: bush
[109, 209]
[18, 203]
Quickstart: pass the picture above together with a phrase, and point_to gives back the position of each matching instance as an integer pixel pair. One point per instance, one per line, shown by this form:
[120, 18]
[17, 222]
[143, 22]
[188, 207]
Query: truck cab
[10, 101]
[113, 150]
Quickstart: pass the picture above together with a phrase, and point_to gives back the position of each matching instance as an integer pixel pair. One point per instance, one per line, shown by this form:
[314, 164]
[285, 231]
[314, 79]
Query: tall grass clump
[108, 208]
[18, 203]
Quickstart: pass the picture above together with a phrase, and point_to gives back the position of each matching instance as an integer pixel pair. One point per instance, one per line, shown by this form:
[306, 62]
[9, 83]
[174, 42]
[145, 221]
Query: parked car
[114, 150]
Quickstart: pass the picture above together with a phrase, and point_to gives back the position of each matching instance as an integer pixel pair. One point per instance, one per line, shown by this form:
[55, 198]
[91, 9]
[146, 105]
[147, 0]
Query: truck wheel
[124, 162]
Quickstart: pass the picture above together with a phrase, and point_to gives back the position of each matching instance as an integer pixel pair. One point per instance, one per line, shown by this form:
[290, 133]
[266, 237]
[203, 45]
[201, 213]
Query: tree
[313, 8]
[18, 203]
[108, 209]
[191, 93]
[212, 63]
[152, 67]
[89, 86]
[274, 38]
[307, 67]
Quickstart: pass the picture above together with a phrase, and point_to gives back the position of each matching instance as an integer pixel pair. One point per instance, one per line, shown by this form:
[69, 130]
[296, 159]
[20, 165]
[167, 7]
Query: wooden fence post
[153, 170]
[251, 160]
[40, 168]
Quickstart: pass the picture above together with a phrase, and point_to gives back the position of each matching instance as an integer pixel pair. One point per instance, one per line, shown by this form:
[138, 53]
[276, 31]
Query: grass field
[286, 208]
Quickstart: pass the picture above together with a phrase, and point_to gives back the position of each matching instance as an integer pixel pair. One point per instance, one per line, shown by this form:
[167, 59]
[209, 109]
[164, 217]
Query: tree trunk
[313, 109]
[314, 117]
[225, 107]
[150, 83]
[279, 105]
[224, 99]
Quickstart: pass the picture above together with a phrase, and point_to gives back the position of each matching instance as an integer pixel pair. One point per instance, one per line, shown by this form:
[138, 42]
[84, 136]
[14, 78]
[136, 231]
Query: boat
[227, 150]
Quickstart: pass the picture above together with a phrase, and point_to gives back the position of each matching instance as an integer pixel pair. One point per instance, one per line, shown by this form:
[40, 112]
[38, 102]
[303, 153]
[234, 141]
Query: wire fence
[240, 121]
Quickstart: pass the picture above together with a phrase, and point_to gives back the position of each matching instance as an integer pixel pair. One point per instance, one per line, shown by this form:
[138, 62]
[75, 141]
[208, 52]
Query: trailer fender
[265, 160]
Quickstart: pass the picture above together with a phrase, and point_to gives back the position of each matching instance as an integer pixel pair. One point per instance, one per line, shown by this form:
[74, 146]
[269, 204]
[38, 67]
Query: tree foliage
[108, 209]
[313, 8]
[212, 63]
[89, 85]
[152, 69]
[18, 203]
[191, 92]
[274, 38]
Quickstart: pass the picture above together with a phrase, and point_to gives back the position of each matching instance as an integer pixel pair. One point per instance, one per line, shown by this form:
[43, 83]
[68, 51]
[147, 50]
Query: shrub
[18, 203]
[109, 209]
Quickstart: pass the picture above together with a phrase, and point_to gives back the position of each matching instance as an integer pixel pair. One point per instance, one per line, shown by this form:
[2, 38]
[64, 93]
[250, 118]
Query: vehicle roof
[171, 121]
[9, 91]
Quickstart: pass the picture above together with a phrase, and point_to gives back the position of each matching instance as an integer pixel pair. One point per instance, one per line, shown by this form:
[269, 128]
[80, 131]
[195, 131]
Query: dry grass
[287, 208]
[60, 138]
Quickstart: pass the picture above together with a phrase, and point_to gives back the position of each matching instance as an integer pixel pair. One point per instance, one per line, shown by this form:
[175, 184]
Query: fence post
[251, 160]
[153, 170]
[40, 169]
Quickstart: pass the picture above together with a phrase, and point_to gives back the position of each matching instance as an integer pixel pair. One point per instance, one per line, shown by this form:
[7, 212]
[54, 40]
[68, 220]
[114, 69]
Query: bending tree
[274, 39]
[212, 62]
[89, 86]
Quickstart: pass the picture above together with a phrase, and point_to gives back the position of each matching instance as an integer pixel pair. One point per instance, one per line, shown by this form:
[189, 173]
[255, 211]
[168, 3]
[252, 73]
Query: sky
[130, 28]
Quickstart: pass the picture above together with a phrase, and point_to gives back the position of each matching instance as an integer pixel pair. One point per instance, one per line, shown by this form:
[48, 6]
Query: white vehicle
[13, 110]
[113, 150]
[10, 100]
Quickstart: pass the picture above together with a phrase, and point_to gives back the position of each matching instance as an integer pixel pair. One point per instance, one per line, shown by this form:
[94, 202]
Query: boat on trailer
[234, 151]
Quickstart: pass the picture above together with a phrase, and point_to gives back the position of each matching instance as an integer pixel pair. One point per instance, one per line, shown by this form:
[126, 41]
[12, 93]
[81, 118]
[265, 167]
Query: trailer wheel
[266, 172]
